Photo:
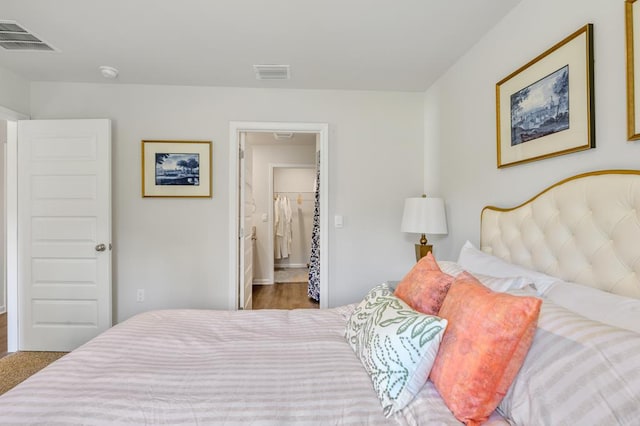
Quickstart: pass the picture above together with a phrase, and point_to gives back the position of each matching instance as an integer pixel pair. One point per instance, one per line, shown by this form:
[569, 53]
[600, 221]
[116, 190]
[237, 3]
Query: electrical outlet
[140, 295]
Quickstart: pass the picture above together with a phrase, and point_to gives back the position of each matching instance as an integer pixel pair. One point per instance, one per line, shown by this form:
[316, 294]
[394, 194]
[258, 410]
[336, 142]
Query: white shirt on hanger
[283, 218]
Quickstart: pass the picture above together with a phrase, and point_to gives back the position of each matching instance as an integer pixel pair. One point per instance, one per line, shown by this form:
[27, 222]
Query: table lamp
[424, 215]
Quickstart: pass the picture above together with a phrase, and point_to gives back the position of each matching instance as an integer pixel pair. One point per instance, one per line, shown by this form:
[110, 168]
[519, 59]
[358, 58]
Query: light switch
[337, 220]
[264, 217]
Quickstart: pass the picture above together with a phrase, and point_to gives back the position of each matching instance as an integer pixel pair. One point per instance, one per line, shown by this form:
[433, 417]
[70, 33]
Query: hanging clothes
[287, 238]
[313, 290]
[283, 218]
[278, 229]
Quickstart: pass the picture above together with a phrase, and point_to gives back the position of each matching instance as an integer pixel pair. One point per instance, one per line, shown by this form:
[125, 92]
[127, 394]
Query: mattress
[215, 367]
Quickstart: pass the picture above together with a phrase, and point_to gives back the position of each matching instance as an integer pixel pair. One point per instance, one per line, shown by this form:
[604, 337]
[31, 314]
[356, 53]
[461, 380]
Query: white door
[249, 236]
[246, 231]
[64, 232]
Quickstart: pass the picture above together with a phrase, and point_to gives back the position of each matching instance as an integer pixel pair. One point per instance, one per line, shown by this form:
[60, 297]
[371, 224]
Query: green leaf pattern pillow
[396, 345]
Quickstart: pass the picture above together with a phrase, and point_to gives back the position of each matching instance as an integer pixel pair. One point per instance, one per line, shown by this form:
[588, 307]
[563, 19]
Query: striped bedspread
[577, 372]
[179, 367]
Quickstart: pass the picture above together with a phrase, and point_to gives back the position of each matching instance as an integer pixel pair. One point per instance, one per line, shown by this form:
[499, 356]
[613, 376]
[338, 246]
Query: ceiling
[330, 44]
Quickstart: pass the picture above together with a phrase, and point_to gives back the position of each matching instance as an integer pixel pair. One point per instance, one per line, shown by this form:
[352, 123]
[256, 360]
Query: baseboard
[262, 281]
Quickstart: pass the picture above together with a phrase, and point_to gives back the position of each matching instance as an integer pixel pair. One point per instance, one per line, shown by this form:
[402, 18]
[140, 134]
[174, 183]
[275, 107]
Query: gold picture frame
[546, 107]
[176, 168]
[632, 20]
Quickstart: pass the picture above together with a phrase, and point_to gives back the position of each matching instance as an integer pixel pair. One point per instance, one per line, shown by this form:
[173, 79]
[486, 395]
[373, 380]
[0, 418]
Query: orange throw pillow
[425, 286]
[484, 346]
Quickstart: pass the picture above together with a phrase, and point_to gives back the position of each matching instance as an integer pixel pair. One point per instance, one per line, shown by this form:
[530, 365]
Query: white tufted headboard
[585, 229]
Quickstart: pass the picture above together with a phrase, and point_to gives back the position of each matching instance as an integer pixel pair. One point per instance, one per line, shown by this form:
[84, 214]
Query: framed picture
[176, 168]
[632, 19]
[546, 108]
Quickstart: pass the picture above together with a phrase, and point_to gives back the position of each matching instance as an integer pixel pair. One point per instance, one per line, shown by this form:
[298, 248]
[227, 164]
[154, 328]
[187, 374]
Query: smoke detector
[272, 72]
[16, 37]
[108, 72]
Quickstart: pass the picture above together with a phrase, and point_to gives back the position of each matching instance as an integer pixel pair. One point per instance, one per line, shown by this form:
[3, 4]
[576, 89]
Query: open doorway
[293, 196]
[281, 172]
[245, 215]
[9, 177]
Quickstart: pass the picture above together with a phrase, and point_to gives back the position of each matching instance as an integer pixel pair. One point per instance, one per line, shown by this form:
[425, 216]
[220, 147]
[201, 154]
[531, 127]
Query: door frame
[11, 224]
[235, 129]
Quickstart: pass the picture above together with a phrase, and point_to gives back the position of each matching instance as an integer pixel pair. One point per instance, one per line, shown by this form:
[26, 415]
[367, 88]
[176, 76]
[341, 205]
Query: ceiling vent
[272, 72]
[283, 135]
[15, 37]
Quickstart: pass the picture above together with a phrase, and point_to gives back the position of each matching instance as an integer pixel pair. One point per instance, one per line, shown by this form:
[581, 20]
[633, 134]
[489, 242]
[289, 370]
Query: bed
[296, 367]
[164, 367]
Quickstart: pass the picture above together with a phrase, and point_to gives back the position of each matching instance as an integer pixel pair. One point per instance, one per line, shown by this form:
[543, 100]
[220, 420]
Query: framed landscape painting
[176, 168]
[546, 108]
[632, 18]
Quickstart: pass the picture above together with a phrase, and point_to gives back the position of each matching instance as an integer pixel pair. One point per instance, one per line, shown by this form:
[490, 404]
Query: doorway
[240, 225]
[281, 175]
[10, 183]
[292, 190]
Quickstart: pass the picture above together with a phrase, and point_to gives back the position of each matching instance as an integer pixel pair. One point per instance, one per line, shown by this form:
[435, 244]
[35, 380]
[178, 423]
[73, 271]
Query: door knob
[101, 247]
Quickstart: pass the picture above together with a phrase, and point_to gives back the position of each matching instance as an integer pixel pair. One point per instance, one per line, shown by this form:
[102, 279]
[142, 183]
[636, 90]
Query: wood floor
[3, 334]
[282, 296]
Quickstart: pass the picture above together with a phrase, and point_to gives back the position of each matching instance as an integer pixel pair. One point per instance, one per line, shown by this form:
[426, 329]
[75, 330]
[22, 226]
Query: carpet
[19, 366]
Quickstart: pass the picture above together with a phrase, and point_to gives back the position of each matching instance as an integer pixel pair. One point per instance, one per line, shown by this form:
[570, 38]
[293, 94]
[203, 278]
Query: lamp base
[422, 250]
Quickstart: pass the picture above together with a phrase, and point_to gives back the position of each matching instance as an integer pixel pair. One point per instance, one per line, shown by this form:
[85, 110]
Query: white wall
[375, 154]
[263, 156]
[460, 108]
[14, 92]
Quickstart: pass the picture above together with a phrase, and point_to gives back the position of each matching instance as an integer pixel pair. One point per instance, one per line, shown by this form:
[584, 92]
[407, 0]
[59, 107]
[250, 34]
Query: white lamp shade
[424, 216]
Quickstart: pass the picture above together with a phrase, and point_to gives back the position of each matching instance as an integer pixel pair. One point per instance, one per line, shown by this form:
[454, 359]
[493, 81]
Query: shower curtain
[314, 264]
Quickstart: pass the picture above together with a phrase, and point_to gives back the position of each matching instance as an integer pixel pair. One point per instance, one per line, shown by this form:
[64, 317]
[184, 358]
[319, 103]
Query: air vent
[283, 135]
[272, 72]
[15, 37]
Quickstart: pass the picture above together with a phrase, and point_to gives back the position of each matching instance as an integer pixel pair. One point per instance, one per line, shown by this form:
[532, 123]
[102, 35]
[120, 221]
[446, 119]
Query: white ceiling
[330, 44]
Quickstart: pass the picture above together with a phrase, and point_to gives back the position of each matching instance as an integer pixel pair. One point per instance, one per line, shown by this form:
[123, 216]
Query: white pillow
[500, 284]
[598, 305]
[476, 261]
[577, 372]
[396, 345]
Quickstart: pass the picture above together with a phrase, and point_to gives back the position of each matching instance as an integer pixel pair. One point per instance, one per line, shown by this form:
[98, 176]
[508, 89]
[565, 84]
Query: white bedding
[214, 367]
